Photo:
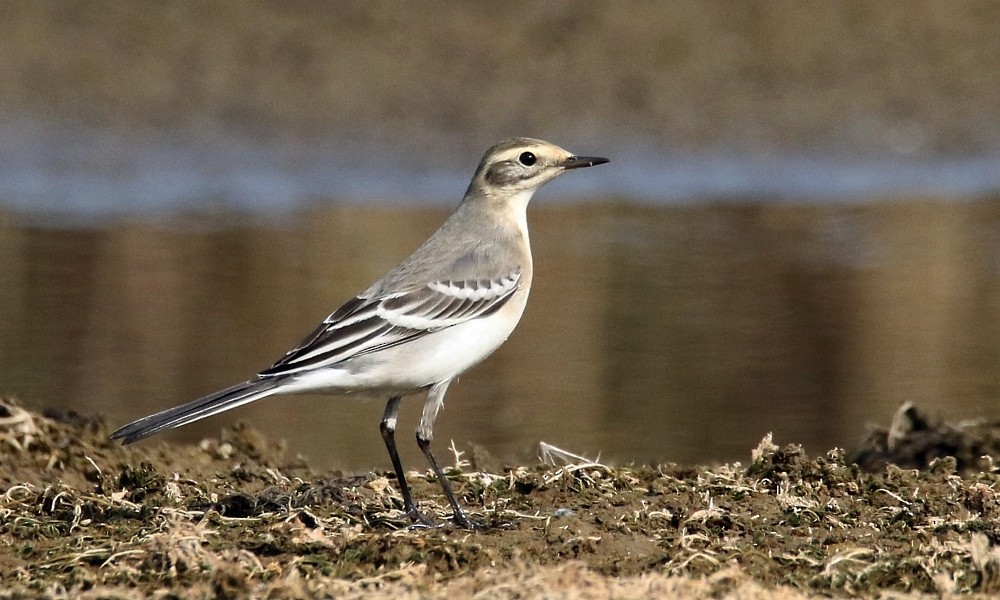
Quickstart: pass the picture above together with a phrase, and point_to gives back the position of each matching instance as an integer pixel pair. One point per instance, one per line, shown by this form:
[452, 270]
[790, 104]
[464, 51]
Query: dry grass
[81, 517]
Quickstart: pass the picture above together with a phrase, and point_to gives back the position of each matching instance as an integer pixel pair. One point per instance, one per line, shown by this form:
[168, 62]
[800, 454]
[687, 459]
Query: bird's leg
[388, 428]
[425, 433]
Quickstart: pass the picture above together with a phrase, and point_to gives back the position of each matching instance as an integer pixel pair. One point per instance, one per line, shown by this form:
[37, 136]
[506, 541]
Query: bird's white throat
[518, 204]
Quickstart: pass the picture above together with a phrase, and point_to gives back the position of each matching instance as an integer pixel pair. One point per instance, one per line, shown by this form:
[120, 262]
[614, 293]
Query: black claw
[464, 521]
[418, 518]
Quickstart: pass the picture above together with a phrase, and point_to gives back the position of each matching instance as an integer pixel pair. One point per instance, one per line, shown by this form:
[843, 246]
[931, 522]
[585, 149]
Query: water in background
[654, 333]
[81, 175]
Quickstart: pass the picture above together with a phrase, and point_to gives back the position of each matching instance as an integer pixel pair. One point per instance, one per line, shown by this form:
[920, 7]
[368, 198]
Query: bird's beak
[578, 162]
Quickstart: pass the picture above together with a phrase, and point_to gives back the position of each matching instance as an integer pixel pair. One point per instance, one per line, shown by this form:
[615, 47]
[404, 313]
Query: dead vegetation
[233, 517]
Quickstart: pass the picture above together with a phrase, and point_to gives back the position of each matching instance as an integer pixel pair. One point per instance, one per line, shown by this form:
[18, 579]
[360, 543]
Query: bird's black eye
[527, 159]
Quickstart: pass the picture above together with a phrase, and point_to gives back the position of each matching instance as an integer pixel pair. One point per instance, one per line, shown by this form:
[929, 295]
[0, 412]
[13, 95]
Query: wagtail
[438, 313]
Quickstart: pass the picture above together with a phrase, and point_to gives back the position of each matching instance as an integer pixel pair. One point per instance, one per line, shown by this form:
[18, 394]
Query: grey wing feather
[363, 326]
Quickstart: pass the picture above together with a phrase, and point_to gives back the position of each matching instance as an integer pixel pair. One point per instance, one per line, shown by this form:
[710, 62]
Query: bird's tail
[206, 406]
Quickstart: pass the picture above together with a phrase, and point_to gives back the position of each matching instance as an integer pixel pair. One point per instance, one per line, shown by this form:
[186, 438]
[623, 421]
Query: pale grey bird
[444, 309]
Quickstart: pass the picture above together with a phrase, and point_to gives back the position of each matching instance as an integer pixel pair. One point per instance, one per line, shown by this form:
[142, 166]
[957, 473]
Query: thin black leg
[459, 515]
[425, 433]
[388, 428]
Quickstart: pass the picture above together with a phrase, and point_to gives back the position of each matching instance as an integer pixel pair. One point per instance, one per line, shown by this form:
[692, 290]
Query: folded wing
[367, 325]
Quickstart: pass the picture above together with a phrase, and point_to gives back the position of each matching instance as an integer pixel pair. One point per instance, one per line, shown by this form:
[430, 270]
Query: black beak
[578, 162]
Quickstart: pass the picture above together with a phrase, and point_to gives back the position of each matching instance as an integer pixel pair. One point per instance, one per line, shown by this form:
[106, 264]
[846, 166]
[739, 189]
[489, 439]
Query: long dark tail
[206, 406]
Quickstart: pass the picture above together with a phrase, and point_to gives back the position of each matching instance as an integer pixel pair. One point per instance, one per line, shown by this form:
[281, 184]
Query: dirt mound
[234, 517]
[916, 440]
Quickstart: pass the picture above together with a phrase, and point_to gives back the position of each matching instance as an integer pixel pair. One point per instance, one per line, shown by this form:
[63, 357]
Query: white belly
[411, 366]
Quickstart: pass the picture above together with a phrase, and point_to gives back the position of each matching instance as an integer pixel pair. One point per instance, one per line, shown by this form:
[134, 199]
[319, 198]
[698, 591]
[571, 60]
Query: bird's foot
[466, 522]
[420, 521]
[418, 518]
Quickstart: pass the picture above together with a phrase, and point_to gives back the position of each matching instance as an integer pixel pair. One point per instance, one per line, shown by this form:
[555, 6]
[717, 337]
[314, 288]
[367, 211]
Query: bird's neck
[507, 207]
[517, 204]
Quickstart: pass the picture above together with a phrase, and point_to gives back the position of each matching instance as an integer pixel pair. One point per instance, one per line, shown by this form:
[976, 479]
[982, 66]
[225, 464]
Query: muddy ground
[235, 517]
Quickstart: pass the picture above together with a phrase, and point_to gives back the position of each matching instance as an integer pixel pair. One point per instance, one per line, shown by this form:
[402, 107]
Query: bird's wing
[366, 325]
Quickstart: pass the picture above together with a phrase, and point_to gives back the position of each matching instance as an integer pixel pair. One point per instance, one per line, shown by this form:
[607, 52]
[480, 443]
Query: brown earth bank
[235, 517]
[757, 77]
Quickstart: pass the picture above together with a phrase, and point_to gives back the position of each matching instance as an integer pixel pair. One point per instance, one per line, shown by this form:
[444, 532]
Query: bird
[435, 315]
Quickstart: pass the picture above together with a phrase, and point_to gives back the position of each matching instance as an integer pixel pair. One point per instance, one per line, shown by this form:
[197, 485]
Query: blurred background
[799, 229]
